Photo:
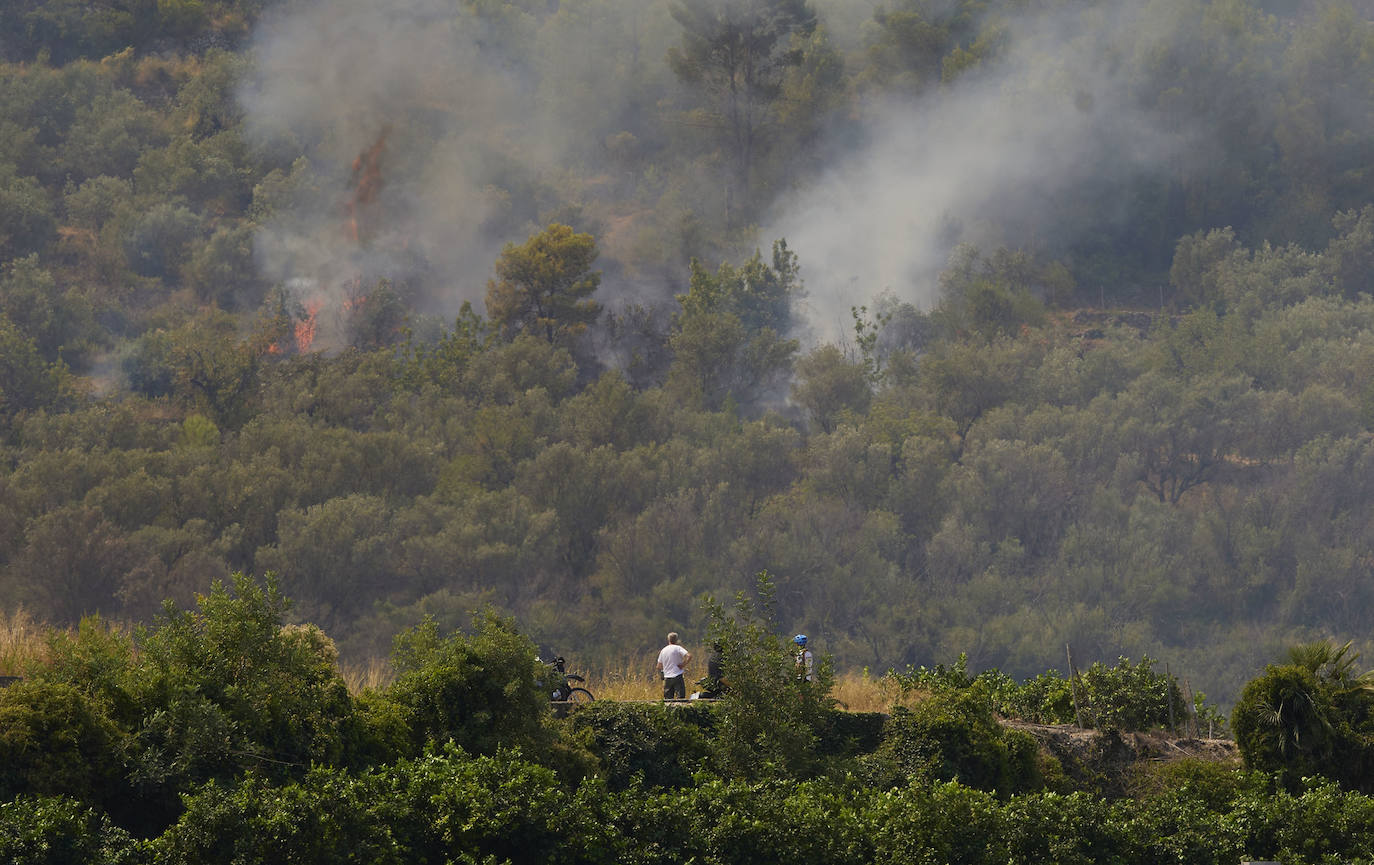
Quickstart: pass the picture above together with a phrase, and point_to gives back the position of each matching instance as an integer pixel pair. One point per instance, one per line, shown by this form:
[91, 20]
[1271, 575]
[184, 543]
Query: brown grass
[21, 643]
[857, 691]
[862, 692]
[631, 678]
[373, 675]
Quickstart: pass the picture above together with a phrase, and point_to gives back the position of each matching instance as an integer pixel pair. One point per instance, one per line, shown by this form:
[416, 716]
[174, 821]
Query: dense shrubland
[218, 734]
[988, 472]
[1123, 402]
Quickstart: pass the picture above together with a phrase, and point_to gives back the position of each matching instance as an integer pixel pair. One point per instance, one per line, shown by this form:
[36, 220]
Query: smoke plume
[1025, 151]
[432, 136]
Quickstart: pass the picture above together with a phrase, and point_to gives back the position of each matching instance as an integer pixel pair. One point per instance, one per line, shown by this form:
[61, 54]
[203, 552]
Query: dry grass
[372, 675]
[862, 692]
[631, 678]
[856, 691]
[21, 642]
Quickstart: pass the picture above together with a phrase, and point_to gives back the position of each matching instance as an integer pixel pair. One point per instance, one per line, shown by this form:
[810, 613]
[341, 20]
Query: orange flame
[305, 328]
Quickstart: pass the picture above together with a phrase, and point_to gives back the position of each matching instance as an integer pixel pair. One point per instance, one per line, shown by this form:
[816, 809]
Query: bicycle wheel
[580, 695]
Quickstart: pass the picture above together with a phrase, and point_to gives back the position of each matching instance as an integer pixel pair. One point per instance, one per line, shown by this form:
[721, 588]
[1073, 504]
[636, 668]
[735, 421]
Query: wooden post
[1169, 698]
[1192, 710]
[1073, 686]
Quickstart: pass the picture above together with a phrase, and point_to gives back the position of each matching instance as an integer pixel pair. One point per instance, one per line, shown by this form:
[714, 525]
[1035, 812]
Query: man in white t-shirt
[672, 662]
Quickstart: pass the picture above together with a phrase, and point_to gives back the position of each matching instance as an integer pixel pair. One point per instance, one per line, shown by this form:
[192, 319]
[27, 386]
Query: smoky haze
[1030, 151]
[486, 129]
[430, 136]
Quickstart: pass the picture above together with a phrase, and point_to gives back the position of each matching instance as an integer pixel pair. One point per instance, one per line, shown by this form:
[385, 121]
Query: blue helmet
[799, 639]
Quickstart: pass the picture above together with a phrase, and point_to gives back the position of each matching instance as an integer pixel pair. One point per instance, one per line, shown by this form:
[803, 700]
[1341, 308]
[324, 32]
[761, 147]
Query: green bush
[1295, 724]
[1127, 697]
[1073, 829]
[226, 689]
[275, 689]
[1046, 699]
[55, 740]
[1176, 827]
[482, 691]
[954, 736]
[659, 745]
[1216, 784]
[328, 816]
[734, 821]
[1320, 824]
[62, 831]
[447, 806]
[936, 825]
[770, 722]
[1120, 698]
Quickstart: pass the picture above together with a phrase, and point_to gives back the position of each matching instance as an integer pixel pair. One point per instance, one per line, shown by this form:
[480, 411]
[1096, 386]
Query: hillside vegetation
[984, 327]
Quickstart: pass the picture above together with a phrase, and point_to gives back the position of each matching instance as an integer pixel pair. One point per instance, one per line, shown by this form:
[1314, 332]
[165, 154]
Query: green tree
[737, 54]
[335, 555]
[221, 269]
[716, 359]
[27, 223]
[1311, 716]
[728, 338]
[481, 691]
[954, 736]
[1181, 433]
[759, 293]
[906, 46]
[830, 387]
[228, 687]
[74, 560]
[61, 324]
[204, 362]
[997, 295]
[56, 740]
[56, 830]
[26, 382]
[544, 286]
[158, 242]
[770, 721]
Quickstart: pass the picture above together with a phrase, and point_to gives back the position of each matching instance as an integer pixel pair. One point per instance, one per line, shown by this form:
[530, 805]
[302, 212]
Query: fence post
[1169, 695]
[1073, 686]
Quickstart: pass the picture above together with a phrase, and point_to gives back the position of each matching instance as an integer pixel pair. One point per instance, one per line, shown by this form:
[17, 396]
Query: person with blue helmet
[806, 663]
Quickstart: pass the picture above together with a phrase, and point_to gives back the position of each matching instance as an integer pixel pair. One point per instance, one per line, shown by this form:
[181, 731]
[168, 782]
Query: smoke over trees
[737, 55]
[1068, 338]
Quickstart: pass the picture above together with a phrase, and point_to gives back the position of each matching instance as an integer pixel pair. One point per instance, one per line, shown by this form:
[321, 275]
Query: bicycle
[568, 692]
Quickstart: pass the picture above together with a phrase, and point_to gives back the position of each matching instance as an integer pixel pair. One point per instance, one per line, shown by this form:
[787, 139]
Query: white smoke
[490, 114]
[994, 158]
[466, 127]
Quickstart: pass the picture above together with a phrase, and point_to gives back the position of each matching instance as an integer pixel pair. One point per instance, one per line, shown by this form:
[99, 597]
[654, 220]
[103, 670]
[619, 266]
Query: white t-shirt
[672, 659]
[808, 663]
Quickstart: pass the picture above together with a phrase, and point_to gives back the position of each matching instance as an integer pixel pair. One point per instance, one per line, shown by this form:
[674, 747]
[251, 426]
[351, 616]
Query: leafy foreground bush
[1311, 716]
[60, 831]
[449, 806]
[1124, 697]
[953, 736]
[131, 724]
